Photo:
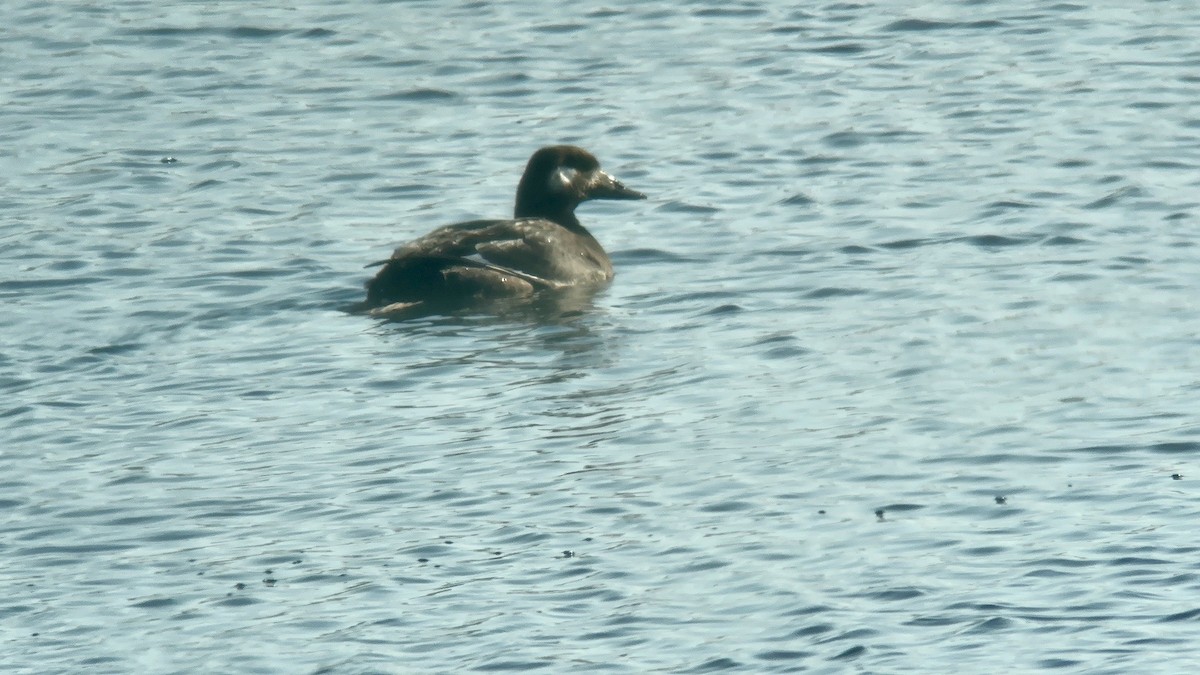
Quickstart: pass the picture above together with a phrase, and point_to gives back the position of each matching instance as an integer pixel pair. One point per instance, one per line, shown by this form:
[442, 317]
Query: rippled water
[898, 373]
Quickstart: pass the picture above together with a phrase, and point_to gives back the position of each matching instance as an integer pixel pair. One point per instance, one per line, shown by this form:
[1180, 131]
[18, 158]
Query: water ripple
[897, 354]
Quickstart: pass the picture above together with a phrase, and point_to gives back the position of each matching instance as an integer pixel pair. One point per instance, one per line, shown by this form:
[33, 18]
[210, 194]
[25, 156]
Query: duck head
[560, 177]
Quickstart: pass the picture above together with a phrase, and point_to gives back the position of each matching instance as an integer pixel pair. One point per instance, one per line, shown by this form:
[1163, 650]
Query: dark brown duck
[543, 248]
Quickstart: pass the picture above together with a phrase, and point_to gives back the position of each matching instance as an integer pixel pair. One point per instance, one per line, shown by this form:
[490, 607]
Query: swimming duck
[544, 247]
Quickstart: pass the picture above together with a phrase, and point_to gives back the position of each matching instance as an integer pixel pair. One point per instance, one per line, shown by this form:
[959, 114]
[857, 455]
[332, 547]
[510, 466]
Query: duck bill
[604, 186]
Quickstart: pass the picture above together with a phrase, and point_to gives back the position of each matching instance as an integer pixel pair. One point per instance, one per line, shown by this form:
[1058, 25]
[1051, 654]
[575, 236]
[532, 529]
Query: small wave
[840, 48]
[648, 255]
[906, 243]
[1114, 197]
[797, 199]
[833, 292]
[997, 241]
[682, 207]
[1060, 240]
[418, 94]
[924, 25]
[241, 32]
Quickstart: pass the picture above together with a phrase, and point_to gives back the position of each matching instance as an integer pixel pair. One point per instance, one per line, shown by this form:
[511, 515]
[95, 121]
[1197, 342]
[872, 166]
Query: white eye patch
[563, 178]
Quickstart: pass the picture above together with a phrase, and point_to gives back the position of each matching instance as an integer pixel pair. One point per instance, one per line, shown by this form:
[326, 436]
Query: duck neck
[558, 211]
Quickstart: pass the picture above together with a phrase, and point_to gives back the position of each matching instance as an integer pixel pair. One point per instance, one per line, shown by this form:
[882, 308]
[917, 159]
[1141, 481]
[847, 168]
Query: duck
[542, 248]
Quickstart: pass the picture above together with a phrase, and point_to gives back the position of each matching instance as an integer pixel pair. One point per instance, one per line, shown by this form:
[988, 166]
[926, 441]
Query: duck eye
[563, 178]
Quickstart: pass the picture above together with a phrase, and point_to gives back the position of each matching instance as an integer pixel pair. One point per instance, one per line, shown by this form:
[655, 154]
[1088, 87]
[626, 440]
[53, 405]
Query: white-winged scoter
[544, 247]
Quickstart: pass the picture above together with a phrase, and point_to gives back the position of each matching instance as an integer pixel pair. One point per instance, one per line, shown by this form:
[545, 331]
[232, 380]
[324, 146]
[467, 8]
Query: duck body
[543, 248]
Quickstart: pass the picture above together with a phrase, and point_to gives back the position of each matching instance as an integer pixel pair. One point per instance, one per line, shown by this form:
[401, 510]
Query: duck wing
[448, 280]
[472, 260]
[526, 247]
[461, 239]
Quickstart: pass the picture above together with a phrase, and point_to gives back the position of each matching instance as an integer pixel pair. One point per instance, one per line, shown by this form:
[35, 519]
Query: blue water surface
[899, 373]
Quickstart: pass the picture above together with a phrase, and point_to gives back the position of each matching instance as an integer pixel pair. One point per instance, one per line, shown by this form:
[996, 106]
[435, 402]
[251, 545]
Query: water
[898, 372]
